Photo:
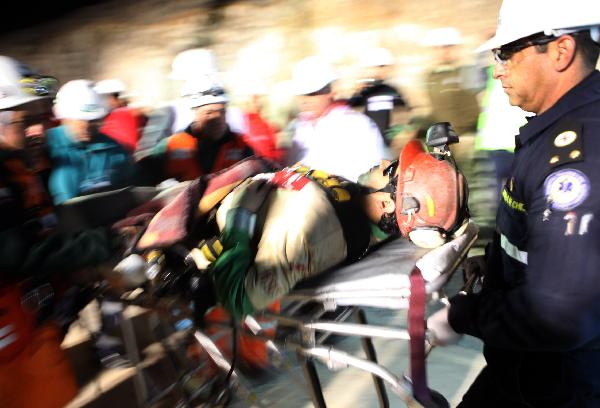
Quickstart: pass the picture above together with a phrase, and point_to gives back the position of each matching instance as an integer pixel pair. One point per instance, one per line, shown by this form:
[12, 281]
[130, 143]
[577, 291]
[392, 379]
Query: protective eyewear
[503, 54]
[390, 172]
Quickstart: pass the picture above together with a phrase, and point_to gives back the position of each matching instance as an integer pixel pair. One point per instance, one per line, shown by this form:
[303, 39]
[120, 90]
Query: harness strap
[416, 331]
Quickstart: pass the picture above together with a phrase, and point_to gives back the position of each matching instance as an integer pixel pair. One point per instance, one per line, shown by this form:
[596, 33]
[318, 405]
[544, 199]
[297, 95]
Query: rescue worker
[451, 87]
[380, 99]
[537, 311]
[328, 134]
[258, 132]
[205, 146]
[34, 262]
[84, 160]
[122, 124]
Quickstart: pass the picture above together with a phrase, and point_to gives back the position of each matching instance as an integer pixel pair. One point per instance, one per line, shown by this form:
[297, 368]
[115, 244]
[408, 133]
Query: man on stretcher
[271, 230]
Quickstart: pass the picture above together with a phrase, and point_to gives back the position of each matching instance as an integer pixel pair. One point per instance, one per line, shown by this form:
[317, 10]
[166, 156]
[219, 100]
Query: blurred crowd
[61, 141]
[84, 136]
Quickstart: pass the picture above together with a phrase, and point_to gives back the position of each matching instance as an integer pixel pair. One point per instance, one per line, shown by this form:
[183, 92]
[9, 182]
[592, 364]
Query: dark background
[21, 14]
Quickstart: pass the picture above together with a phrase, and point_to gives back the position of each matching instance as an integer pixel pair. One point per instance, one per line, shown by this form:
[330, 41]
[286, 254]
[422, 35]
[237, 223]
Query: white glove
[132, 270]
[439, 332]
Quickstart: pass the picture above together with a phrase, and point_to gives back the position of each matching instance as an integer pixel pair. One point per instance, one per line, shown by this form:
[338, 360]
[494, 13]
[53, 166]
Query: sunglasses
[503, 54]
[390, 172]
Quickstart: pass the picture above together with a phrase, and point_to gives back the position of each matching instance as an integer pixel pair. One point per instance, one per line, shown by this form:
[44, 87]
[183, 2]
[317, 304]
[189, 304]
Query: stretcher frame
[312, 331]
[373, 286]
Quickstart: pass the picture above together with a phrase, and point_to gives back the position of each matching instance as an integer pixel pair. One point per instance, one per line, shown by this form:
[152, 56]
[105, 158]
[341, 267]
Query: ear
[565, 50]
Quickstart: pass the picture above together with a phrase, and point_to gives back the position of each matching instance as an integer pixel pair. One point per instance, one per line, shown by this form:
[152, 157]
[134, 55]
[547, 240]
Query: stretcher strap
[416, 331]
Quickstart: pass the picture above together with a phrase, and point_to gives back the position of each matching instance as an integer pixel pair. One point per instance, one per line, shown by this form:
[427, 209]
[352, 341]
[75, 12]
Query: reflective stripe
[8, 340]
[512, 250]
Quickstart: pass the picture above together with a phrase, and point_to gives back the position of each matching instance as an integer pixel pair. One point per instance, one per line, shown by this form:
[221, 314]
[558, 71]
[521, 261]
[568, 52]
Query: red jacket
[262, 137]
[121, 125]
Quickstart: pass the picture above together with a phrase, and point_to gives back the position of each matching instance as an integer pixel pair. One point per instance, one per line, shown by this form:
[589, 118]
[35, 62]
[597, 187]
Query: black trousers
[531, 380]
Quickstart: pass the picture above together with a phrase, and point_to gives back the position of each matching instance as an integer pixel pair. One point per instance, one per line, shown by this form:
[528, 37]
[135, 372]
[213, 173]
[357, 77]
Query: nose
[499, 70]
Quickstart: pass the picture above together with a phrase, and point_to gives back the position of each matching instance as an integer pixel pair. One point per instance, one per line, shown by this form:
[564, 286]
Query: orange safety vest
[34, 370]
[182, 162]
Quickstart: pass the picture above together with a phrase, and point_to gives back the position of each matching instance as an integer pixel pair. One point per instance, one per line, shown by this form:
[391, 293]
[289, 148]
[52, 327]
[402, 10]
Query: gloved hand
[132, 271]
[439, 332]
[474, 266]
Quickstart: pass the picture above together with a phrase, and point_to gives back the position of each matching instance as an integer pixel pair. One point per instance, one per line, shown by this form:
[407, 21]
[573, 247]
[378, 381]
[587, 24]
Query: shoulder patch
[566, 189]
[566, 145]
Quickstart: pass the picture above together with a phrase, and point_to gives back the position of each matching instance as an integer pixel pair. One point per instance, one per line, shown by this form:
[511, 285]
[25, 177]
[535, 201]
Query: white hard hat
[203, 90]
[377, 57]
[519, 19]
[439, 37]
[78, 100]
[312, 74]
[110, 86]
[16, 89]
[190, 63]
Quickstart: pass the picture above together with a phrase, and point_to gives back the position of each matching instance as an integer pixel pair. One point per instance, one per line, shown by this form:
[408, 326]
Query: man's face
[82, 130]
[375, 177]
[316, 103]
[526, 78]
[379, 203]
[379, 73]
[209, 121]
[13, 132]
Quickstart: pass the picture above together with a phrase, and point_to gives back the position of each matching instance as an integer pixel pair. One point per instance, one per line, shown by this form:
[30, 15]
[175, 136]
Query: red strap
[416, 331]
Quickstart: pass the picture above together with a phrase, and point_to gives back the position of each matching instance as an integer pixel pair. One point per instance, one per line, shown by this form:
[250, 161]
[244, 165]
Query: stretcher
[396, 275]
[386, 278]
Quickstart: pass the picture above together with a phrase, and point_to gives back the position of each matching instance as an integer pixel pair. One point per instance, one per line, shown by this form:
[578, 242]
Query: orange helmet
[431, 196]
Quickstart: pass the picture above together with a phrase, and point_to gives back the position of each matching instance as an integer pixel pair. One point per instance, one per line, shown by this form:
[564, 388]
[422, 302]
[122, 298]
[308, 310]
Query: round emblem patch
[567, 189]
[565, 138]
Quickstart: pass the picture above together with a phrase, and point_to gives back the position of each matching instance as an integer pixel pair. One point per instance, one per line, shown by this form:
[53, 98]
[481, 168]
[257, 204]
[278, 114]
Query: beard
[389, 224]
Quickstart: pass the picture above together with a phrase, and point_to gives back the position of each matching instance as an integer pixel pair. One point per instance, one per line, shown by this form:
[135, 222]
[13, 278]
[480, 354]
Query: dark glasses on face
[390, 170]
[503, 54]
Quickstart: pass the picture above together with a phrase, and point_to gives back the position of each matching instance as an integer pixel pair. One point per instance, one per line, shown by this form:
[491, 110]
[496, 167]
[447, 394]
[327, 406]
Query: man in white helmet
[380, 99]
[328, 134]
[83, 159]
[207, 144]
[122, 124]
[537, 311]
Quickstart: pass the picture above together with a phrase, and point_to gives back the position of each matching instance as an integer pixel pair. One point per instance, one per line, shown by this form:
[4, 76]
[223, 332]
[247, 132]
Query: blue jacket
[82, 168]
[538, 312]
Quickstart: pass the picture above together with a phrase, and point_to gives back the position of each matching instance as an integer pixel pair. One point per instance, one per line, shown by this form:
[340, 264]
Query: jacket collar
[583, 93]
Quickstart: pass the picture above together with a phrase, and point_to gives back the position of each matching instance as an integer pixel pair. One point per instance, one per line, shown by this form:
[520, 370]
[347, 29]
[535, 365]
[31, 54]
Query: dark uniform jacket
[379, 100]
[538, 312]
